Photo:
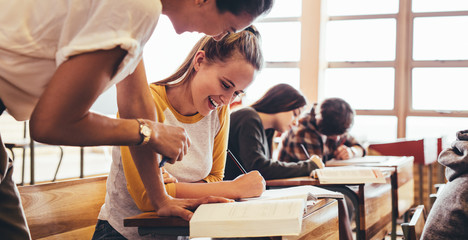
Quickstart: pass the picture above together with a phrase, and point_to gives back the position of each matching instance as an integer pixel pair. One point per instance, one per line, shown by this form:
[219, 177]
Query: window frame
[403, 63]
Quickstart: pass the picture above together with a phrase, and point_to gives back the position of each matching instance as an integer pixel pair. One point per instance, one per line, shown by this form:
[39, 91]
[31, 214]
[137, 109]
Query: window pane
[439, 6]
[361, 7]
[281, 41]
[374, 128]
[363, 88]
[286, 8]
[267, 78]
[361, 40]
[166, 50]
[440, 89]
[107, 102]
[440, 38]
[420, 127]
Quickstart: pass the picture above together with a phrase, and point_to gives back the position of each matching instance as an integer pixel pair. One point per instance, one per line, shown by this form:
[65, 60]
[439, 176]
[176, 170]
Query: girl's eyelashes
[225, 85]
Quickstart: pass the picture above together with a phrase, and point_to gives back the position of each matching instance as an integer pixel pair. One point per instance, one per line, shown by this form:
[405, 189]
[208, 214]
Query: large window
[402, 64]
[281, 45]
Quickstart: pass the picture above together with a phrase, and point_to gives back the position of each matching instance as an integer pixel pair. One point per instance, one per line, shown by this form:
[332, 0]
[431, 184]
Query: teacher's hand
[170, 141]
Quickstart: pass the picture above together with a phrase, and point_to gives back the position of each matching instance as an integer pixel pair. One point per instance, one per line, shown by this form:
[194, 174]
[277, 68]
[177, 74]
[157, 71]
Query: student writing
[323, 132]
[252, 130]
[196, 97]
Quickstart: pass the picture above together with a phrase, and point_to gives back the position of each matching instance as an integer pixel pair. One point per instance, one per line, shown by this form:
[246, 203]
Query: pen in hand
[340, 142]
[236, 162]
[316, 159]
[305, 151]
[163, 161]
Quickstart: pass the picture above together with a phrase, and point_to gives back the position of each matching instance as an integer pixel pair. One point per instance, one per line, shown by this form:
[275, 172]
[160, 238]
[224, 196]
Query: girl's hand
[250, 184]
[343, 152]
[181, 207]
[317, 160]
[168, 178]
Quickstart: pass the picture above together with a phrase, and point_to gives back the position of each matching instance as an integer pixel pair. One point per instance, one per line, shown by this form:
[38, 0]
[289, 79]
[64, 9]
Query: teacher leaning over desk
[57, 57]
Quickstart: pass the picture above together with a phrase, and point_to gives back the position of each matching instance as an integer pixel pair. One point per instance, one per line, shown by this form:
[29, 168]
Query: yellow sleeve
[220, 147]
[134, 184]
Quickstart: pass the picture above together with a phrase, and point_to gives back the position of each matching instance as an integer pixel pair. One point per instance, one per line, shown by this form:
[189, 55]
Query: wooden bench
[413, 230]
[63, 210]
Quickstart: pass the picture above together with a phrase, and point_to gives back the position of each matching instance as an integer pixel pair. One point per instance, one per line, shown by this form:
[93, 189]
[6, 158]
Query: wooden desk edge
[151, 219]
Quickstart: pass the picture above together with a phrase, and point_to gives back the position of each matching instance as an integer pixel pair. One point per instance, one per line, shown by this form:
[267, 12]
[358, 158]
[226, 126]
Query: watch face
[146, 131]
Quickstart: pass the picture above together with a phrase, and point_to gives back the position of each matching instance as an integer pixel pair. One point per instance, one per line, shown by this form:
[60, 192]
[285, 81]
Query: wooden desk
[319, 222]
[374, 211]
[401, 179]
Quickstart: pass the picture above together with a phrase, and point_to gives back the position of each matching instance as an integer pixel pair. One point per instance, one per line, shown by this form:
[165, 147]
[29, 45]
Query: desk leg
[354, 199]
[81, 162]
[421, 180]
[31, 154]
[430, 179]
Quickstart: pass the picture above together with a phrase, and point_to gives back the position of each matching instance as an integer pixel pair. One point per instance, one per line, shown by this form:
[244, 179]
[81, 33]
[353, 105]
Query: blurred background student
[253, 128]
[322, 132]
[251, 139]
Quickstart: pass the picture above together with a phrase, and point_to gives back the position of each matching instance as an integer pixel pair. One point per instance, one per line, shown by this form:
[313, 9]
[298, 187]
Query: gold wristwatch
[145, 131]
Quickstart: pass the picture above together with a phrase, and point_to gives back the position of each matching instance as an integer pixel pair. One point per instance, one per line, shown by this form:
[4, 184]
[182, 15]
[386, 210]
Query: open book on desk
[364, 161]
[303, 192]
[348, 175]
[277, 212]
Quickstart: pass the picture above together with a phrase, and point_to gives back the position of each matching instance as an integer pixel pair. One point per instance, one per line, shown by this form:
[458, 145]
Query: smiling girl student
[196, 97]
[57, 57]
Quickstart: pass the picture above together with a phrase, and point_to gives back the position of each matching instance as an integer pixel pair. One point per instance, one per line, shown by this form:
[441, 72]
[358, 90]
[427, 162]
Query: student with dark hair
[251, 137]
[57, 57]
[252, 130]
[322, 132]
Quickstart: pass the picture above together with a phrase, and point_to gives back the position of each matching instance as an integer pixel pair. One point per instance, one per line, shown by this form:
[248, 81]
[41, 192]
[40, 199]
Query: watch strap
[145, 135]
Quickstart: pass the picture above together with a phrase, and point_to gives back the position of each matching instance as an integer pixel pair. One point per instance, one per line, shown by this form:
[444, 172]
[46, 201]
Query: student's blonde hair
[245, 43]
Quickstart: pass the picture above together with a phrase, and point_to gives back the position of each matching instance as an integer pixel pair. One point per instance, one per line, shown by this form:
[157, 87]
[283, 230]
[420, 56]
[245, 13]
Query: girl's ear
[200, 2]
[198, 59]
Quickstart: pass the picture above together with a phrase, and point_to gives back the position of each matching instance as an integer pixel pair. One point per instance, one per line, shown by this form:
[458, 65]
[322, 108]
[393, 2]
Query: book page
[248, 219]
[343, 175]
[366, 161]
[248, 210]
[302, 192]
[358, 160]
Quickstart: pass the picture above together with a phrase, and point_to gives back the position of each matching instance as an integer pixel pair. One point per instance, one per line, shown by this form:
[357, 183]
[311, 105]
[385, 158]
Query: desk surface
[320, 222]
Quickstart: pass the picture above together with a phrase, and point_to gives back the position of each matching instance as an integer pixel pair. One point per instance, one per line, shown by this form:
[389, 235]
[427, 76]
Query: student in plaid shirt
[323, 132]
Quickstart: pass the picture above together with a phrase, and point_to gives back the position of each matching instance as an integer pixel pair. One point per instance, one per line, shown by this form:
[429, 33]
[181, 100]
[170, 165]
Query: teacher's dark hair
[254, 8]
[280, 98]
